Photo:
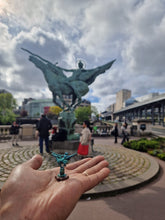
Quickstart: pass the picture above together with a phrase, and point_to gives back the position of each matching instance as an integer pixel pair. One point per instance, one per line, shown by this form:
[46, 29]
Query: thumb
[35, 163]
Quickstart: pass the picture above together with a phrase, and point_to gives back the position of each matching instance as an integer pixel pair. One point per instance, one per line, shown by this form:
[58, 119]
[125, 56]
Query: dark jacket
[43, 127]
[116, 131]
[14, 129]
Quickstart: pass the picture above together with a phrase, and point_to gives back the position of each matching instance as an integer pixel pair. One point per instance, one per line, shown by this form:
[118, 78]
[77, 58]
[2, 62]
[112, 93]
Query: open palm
[33, 194]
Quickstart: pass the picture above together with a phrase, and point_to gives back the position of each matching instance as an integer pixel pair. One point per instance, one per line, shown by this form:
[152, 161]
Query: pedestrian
[85, 139]
[14, 131]
[116, 132]
[43, 128]
[124, 133]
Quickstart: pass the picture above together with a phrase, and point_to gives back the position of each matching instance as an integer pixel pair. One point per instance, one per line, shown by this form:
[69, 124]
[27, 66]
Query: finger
[76, 164]
[88, 164]
[97, 167]
[94, 179]
[35, 162]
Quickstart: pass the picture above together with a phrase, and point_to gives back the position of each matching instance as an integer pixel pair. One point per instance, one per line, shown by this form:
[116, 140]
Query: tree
[7, 104]
[7, 116]
[7, 101]
[82, 114]
[54, 112]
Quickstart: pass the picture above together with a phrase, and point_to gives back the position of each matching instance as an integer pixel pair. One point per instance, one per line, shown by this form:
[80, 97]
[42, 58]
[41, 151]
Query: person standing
[43, 127]
[124, 133]
[85, 139]
[14, 131]
[116, 132]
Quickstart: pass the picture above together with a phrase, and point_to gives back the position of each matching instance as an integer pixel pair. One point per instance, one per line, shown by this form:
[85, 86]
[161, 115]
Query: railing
[27, 131]
[5, 132]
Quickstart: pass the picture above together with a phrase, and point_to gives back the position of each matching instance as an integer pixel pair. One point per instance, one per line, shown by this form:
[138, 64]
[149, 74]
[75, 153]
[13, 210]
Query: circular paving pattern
[127, 167]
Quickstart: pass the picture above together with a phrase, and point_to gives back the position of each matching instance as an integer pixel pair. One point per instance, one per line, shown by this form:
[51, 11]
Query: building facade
[153, 109]
[121, 96]
[35, 108]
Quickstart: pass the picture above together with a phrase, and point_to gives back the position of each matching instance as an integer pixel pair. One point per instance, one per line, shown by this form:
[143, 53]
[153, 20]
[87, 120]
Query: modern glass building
[36, 107]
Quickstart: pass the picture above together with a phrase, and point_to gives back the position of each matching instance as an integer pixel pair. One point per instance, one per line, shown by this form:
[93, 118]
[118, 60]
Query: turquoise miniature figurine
[62, 160]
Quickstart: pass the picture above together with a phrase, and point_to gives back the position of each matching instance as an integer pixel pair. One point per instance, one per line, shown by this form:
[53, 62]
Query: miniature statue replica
[62, 160]
[75, 86]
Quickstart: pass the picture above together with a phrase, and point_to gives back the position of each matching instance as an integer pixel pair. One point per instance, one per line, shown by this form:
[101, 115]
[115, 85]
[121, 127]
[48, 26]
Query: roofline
[147, 102]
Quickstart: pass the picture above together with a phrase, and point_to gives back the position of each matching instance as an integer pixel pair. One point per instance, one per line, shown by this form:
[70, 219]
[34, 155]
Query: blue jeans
[41, 139]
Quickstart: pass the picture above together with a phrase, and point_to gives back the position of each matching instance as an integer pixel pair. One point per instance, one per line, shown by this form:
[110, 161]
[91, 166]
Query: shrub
[161, 156]
[153, 144]
[155, 152]
[143, 144]
[156, 144]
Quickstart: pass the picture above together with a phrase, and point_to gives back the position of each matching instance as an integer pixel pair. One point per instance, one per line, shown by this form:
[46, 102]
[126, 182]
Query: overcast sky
[96, 31]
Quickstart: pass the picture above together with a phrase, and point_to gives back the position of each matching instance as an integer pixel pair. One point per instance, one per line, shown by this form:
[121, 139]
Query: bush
[143, 144]
[155, 152]
[152, 144]
[156, 144]
[161, 156]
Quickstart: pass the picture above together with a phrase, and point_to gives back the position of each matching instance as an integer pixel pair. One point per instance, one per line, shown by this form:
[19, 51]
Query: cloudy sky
[96, 31]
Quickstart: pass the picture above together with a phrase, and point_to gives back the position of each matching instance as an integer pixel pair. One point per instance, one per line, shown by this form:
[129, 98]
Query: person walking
[43, 128]
[14, 131]
[124, 133]
[85, 139]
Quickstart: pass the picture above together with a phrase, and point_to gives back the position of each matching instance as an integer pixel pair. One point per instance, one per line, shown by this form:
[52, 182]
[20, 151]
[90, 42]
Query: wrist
[7, 211]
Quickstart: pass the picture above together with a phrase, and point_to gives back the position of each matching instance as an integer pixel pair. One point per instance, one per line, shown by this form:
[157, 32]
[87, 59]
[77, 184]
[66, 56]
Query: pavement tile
[128, 168]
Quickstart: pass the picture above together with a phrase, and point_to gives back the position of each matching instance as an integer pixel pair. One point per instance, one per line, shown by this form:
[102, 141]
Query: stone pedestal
[141, 127]
[60, 147]
[27, 131]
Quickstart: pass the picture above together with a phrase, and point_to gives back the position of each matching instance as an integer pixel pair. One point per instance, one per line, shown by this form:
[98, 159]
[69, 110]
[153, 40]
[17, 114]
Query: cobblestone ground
[124, 164]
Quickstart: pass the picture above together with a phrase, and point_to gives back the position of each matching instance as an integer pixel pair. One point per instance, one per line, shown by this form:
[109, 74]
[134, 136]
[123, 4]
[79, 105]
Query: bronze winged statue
[59, 84]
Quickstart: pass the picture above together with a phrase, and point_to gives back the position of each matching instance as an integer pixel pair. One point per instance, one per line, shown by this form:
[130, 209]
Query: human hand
[33, 194]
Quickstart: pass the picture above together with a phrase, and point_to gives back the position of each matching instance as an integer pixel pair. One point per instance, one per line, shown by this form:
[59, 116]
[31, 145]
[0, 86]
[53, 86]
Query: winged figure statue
[59, 84]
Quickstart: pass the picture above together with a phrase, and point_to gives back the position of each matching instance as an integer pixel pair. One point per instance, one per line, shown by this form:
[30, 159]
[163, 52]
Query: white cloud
[96, 31]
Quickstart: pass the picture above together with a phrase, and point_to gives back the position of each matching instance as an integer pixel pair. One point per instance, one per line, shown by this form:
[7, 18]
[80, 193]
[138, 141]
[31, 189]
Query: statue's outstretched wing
[57, 70]
[89, 76]
[72, 155]
[52, 67]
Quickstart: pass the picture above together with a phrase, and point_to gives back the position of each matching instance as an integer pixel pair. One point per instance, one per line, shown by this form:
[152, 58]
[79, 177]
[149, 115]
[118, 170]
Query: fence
[5, 132]
[27, 131]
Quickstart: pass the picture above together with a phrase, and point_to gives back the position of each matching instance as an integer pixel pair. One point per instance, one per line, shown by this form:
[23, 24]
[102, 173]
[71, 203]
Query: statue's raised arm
[43, 63]
[88, 76]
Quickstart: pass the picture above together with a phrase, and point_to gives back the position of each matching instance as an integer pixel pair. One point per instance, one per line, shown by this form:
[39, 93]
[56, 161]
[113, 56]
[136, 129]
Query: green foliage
[7, 104]
[161, 156]
[156, 144]
[55, 110]
[143, 144]
[139, 145]
[155, 152]
[82, 114]
[7, 116]
[7, 101]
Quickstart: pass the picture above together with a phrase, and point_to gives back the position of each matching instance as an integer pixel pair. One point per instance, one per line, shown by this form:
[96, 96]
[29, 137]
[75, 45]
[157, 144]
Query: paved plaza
[128, 168]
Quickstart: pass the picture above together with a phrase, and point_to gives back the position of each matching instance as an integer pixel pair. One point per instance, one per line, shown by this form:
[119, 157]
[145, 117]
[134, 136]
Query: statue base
[74, 136]
[58, 178]
[60, 147]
